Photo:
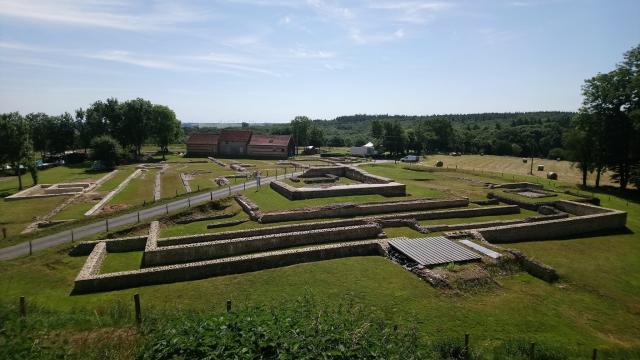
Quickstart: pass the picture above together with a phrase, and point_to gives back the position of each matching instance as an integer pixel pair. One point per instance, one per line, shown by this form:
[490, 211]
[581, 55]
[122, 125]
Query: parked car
[410, 158]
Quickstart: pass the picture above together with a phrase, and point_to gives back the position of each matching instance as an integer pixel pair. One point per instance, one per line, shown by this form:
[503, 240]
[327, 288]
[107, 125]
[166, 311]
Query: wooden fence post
[532, 351]
[72, 235]
[136, 301]
[594, 354]
[30, 248]
[189, 202]
[211, 195]
[228, 305]
[4, 233]
[106, 224]
[466, 346]
[138, 216]
[166, 206]
[23, 306]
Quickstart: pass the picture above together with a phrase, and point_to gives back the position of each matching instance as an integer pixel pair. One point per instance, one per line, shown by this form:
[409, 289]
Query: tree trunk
[598, 173]
[19, 174]
[584, 177]
[164, 152]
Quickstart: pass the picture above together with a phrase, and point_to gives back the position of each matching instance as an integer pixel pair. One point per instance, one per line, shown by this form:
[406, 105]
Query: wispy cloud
[375, 38]
[303, 53]
[416, 12]
[138, 60]
[102, 14]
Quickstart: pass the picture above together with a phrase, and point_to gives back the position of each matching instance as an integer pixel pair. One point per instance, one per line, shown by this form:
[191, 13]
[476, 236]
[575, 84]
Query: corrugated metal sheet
[490, 253]
[433, 250]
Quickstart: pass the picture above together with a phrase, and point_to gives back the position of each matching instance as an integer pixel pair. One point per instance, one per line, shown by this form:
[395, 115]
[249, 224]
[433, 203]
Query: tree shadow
[627, 194]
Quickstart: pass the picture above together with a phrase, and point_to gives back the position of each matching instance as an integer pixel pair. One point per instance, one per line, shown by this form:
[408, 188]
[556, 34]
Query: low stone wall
[249, 207]
[293, 193]
[521, 203]
[228, 266]
[350, 209]
[238, 246]
[225, 235]
[454, 213]
[94, 262]
[519, 185]
[534, 267]
[126, 244]
[554, 229]
[580, 208]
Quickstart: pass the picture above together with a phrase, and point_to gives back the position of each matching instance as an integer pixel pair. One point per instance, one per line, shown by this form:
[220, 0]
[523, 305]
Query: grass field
[514, 165]
[595, 304]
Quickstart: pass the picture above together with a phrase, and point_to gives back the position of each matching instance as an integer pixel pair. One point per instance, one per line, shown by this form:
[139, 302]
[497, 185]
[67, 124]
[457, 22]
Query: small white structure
[364, 150]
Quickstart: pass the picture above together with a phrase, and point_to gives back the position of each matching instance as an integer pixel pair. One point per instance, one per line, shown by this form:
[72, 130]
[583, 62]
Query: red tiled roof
[264, 140]
[235, 135]
[203, 138]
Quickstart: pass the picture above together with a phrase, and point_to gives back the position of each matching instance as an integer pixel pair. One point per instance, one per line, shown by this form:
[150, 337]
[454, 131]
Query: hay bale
[439, 163]
[540, 167]
[552, 176]
[525, 160]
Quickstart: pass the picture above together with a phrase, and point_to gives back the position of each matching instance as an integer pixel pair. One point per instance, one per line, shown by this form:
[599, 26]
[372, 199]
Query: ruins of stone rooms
[450, 241]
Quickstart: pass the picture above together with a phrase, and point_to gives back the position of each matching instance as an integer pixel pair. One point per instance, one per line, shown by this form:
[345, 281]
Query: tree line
[110, 128]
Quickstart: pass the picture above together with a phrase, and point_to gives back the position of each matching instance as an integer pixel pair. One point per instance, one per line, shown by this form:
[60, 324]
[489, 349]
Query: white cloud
[135, 59]
[377, 38]
[416, 12]
[302, 53]
[104, 14]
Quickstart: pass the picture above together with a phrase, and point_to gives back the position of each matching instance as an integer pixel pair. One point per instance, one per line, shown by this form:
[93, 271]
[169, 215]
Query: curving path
[21, 249]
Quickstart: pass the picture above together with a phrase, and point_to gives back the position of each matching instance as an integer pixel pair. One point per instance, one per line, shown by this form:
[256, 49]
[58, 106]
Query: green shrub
[301, 330]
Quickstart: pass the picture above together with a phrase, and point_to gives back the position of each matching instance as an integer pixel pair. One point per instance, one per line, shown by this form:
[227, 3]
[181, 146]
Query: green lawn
[17, 214]
[594, 305]
[58, 174]
[138, 191]
[115, 262]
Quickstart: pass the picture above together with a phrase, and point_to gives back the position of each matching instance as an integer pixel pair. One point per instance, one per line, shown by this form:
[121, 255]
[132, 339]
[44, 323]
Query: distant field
[514, 165]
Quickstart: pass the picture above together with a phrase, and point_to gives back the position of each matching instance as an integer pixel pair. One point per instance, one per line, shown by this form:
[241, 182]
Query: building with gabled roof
[202, 144]
[271, 146]
[234, 142]
[240, 143]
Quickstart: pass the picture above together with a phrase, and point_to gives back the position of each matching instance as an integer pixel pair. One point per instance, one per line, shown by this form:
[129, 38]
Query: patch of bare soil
[113, 208]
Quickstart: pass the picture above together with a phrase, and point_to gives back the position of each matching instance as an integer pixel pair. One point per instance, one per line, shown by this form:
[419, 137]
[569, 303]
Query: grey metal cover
[490, 253]
[433, 250]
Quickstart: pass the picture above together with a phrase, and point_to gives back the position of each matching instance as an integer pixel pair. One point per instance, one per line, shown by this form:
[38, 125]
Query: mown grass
[115, 262]
[138, 191]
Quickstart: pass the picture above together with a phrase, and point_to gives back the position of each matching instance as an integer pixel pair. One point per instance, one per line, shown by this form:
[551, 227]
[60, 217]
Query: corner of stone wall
[94, 262]
[534, 267]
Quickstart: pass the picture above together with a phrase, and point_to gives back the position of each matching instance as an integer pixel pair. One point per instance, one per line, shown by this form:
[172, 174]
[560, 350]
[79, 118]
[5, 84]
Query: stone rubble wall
[350, 209]
[534, 267]
[518, 185]
[454, 213]
[553, 229]
[227, 266]
[165, 255]
[252, 209]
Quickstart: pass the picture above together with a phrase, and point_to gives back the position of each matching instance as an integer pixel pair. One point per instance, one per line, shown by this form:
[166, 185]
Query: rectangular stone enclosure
[370, 184]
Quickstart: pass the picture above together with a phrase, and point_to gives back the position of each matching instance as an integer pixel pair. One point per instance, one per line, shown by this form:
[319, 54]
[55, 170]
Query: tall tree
[613, 98]
[300, 126]
[15, 143]
[165, 128]
[40, 125]
[316, 136]
[135, 123]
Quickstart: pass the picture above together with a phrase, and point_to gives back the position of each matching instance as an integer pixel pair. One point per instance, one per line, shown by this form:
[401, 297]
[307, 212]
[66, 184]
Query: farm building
[233, 142]
[239, 143]
[271, 146]
[202, 144]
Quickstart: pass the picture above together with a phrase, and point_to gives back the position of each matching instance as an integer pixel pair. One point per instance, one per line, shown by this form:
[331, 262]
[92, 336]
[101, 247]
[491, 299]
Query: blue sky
[268, 61]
